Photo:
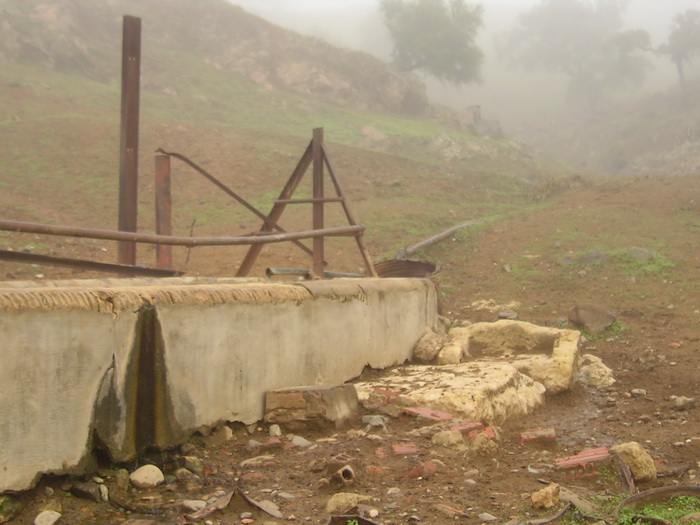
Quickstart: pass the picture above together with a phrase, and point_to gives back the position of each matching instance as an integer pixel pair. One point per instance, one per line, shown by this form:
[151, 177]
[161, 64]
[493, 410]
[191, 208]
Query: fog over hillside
[517, 98]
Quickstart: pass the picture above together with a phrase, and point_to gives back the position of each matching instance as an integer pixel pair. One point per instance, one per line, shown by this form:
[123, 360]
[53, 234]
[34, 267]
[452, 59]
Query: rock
[450, 354]
[47, 517]
[638, 392]
[482, 445]
[252, 445]
[275, 431]
[88, 490]
[681, 403]
[375, 421]
[104, 493]
[486, 517]
[147, 477]
[449, 439]
[193, 505]
[9, 508]
[508, 314]
[342, 501]
[592, 318]
[192, 463]
[301, 442]
[257, 460]
[428, 346]
[121, 478]
[546, 498]
[593, 372]
[639, 461]
[220, 436]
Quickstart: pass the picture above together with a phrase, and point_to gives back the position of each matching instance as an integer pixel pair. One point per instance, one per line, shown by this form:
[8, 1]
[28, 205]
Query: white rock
[449, 439]
[342, 501]
[147, 477]
[301, 442]
[593, 372]
[104, 493]
[275, 431]
[193, 505]
[47, 517]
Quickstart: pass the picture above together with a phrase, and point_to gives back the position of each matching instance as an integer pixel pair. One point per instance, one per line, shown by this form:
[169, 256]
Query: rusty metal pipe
[427, 243]
[81, 264]
[148, 238]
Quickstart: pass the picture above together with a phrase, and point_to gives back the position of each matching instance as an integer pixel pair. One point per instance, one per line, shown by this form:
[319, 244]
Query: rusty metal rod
[427, 243]
[272, 224]
[51, 260]
[309, 201]
[148, 238]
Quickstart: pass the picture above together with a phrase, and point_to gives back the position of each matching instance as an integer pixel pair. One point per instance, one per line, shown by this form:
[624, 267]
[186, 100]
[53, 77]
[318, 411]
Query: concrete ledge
[145, 363]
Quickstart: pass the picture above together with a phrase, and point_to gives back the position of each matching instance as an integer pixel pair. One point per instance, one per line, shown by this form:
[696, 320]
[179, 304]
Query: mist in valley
[530, 104]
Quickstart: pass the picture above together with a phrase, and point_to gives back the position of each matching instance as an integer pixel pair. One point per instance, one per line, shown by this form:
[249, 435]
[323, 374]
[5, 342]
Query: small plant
[616, 328]
[672, 510]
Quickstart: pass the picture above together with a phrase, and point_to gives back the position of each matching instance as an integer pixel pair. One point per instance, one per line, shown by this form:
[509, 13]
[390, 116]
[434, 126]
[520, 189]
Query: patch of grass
[672, 510]
[659, 264]
[617, 328]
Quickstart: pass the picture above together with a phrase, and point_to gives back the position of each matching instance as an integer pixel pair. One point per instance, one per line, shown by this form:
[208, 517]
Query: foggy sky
[504, 94]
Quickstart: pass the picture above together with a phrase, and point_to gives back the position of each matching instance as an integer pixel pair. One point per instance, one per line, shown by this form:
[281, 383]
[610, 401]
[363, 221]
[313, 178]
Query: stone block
[316, 406]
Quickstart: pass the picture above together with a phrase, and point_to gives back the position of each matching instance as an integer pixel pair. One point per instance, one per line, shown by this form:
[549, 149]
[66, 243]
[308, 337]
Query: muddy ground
[534, 263]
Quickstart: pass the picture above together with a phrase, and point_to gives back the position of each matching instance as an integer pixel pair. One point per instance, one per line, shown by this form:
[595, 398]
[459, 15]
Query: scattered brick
[429, 413]
[538, 435]
[318, 406]
[423, 470]
[402, 449]
[489, 432]
[467, 427]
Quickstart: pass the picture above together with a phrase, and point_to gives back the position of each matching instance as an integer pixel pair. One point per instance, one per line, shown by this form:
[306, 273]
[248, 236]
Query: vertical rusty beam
[164, 204]
[318, 205]
[129, 147]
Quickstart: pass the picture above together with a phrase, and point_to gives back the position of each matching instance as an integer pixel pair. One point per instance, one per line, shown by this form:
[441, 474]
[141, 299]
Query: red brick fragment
[539, 435]
[489, 431]
[429, 413]
[401, 449]
[423, 470]
[467, 426]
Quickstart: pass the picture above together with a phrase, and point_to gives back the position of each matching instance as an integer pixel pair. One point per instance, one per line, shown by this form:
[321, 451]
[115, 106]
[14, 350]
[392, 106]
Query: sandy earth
[655, 352]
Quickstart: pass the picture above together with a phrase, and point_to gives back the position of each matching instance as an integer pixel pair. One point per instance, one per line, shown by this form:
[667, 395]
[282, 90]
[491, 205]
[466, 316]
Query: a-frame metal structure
[317, 157]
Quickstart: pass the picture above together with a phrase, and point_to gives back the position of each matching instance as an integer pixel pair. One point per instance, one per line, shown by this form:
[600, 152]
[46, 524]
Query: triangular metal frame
[316, 156]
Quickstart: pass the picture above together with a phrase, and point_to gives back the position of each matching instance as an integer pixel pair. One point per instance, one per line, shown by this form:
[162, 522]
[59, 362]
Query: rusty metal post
[129, 147]
[318, 205]
[164, 204]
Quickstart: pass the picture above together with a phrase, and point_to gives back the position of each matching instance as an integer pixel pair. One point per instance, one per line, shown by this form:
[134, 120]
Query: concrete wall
[144, 363]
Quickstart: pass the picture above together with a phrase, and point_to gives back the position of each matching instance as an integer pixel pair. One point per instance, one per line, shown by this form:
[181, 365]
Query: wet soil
[655, 351]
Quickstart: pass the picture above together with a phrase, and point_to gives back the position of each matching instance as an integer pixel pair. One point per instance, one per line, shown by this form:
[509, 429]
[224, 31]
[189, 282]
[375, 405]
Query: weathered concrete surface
[53, 364]
[485, 392]
[547, 355]
[144, 363]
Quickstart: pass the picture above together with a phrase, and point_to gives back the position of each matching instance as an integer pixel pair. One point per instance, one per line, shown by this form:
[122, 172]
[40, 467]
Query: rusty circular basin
[406, 268]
